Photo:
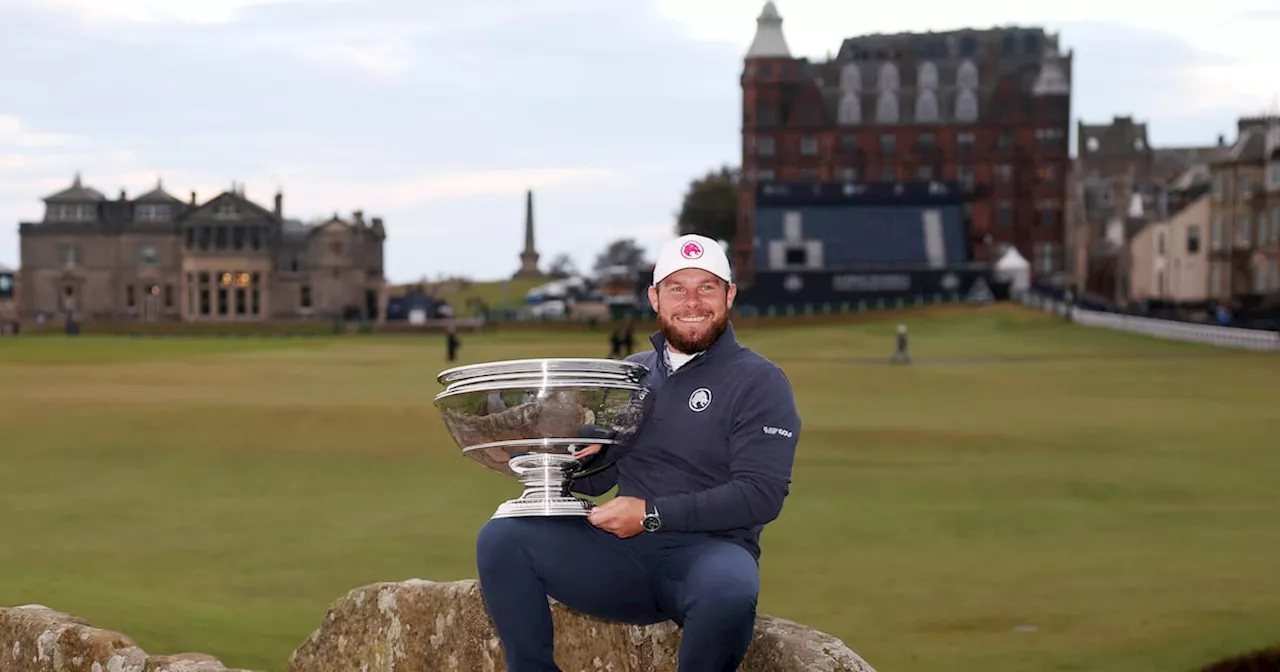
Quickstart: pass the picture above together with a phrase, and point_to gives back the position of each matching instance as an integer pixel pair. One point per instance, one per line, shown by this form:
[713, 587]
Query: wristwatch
[652, 522]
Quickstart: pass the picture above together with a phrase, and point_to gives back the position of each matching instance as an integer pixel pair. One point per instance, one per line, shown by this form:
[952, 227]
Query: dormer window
[152, 212]
[226, 209]
[72, 213]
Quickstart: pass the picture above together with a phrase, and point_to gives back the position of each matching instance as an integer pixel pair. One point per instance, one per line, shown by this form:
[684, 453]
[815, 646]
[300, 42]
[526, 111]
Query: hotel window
[1215, 234]
[964, 176]
[1004, 173]
[1193, 239]
[887, 108]
[764, 145]
[809, 146]
[304, 297]
[206, 295]
[924, 172]
[1048, 213]
[1046, 255]
[887, 143]
[68, 255]
[1243, 227]
[256, 308]
[1004, 215]
[1262, 229]
[964, 143]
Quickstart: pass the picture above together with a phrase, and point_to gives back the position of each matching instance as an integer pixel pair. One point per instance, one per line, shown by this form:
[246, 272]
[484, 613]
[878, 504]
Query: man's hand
[588, 451]
[621, 516]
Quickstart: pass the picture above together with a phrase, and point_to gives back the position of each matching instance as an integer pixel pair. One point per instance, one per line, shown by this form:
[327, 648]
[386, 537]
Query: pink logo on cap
[691, 250]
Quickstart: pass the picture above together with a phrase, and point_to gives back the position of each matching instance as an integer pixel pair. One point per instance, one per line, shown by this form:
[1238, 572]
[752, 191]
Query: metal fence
[1231, 337]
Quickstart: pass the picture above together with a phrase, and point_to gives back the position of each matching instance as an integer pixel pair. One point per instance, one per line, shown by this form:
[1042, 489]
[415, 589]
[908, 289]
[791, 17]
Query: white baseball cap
[692, 251]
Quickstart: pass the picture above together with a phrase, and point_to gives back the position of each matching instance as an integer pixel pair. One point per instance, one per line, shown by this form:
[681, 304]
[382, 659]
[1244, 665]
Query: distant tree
[710, 206]
[624, 252]
[562, 266]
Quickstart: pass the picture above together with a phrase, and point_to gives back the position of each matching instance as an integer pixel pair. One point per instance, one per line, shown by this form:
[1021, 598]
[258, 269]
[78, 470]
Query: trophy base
[546, 480]
[552, 506]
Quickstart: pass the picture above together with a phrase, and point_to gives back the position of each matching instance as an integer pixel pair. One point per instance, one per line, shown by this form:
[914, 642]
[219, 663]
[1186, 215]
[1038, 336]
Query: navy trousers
[707, 586]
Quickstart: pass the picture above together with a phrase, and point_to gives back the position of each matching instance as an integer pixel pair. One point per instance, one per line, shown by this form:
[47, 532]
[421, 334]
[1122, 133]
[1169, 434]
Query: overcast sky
[438, 115]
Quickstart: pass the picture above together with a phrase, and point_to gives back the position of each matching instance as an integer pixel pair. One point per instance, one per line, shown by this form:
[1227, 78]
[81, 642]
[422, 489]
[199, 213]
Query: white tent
[1014, 268]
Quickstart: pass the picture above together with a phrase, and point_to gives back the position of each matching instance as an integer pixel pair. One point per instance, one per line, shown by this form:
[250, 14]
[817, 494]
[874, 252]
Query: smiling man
[709, 469]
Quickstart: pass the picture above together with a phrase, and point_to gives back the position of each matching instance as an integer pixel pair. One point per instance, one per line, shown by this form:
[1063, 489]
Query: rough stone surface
[425, 626]
[34, 638]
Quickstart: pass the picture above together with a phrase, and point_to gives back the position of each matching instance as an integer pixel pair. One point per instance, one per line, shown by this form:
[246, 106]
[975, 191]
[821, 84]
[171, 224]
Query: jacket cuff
[673, 510]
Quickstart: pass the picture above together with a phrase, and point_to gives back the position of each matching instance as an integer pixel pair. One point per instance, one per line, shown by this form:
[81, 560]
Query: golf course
[1026, 495]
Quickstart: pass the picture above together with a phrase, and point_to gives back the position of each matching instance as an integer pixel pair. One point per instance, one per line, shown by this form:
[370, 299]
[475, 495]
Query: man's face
[693, 308]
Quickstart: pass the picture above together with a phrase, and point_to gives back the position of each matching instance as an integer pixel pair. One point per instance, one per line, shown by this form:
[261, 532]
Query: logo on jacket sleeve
[700, 399]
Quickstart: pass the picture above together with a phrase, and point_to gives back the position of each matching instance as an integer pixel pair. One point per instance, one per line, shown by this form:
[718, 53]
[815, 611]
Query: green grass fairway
[1028, 496]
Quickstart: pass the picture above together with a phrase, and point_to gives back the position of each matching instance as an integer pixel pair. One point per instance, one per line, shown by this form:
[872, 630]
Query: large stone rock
[427, 626]
[34, 638]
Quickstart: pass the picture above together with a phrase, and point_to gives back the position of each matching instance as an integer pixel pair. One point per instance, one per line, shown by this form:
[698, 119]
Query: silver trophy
[525, 418]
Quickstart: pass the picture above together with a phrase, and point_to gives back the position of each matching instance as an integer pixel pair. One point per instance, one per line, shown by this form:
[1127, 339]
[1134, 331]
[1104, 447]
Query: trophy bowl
[526, 418]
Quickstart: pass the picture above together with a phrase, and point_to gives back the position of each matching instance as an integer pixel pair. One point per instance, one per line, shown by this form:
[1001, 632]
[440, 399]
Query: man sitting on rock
[704, 475]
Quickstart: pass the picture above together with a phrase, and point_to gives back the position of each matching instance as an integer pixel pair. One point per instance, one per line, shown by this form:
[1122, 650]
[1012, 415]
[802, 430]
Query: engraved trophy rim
[544, 365]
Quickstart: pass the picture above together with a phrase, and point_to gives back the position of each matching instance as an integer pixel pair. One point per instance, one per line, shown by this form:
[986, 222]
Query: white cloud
[13, 134]
[158, 11]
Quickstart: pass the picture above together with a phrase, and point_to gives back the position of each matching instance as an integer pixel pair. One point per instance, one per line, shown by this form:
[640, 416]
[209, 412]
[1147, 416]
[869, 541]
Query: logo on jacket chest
[700, 400]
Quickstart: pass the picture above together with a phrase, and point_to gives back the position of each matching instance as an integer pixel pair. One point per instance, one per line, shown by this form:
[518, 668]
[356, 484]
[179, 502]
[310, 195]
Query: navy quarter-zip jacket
[716, 451]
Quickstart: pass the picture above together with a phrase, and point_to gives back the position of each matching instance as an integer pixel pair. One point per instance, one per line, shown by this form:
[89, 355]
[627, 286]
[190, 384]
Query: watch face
[651, 523]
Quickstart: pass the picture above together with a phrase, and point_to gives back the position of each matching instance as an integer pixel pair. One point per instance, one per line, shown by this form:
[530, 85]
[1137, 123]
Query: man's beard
[690, 345]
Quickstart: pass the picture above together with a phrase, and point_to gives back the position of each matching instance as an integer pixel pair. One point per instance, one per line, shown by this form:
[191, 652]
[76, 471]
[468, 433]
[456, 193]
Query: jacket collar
[727, 341]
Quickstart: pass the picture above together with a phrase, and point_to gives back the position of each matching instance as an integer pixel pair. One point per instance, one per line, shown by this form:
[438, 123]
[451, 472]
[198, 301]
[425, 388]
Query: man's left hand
[621, 516]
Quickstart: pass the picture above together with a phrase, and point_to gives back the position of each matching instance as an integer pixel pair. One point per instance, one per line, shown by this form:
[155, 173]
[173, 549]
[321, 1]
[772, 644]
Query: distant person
[900, 355]
[629, 337]
[451, 341]
[615, 343]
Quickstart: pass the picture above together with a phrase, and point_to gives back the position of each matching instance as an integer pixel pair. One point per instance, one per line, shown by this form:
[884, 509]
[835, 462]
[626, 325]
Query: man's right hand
[588, 451]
